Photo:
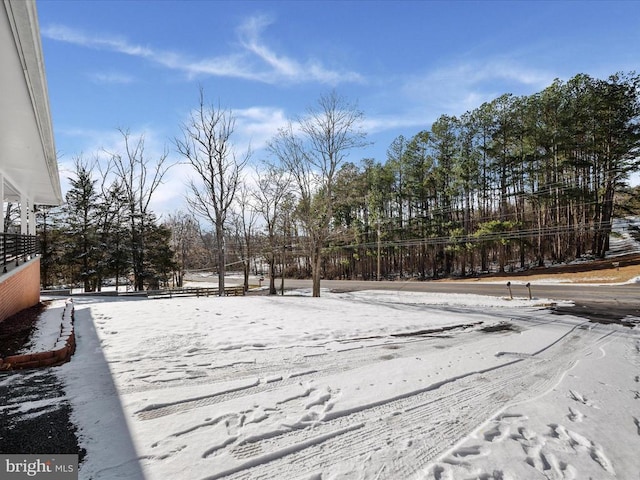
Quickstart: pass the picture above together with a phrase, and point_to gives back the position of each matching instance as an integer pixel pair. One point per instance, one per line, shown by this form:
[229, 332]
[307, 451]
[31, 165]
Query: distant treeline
[517, 182]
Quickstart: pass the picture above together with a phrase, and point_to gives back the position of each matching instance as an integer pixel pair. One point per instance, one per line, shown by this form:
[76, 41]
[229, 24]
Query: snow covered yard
[366, 385]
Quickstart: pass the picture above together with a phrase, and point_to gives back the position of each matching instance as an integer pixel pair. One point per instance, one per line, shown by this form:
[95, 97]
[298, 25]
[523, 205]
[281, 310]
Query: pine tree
[80, 209]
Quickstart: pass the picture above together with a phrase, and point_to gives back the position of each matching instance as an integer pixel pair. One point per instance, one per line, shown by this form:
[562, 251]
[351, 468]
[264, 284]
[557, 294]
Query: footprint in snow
[461, 455]
[577, 441]
[549, 465]
[510, 417]
[441, 472]
[524, 434]
[578, 397]
[575, 415]
[497, 433]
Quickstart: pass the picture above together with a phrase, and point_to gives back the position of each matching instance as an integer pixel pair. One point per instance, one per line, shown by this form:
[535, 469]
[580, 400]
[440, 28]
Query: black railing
[16, 248]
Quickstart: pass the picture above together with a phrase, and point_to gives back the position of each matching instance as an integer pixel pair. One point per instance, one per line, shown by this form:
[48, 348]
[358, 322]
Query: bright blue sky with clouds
[138, 65]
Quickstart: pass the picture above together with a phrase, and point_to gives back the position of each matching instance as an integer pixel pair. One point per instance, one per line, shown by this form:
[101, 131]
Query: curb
[65, 347]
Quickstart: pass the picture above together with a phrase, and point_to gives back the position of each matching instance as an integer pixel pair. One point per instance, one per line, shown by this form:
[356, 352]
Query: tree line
[106, 229]
[517, 182]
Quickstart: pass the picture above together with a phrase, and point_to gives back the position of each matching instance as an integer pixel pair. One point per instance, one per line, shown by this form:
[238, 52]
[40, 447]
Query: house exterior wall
[20, 288]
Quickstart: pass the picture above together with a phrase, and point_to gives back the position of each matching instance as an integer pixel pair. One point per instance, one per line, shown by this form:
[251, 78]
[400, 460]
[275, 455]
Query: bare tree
[244, 221]
[111, 216]
[287, 227]
[313, 156]
[274, 184]
[186, 242]
[207, 147]
[139, 179]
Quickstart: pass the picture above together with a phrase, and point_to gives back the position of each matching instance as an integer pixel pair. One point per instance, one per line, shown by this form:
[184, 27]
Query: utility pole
[379, 249]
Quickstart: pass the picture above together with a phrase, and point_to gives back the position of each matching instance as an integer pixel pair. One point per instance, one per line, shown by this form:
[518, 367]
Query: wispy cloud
[107, 78]
[417, 100]
[66, 34]
[400, 120]
[258, 125]
[457, 88]
[491, 70]
[283, 67]
[253, 60]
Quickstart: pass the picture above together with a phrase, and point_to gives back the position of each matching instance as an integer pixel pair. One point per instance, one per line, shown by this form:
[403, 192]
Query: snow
[356, 385]
[624, 239]
[52, 324]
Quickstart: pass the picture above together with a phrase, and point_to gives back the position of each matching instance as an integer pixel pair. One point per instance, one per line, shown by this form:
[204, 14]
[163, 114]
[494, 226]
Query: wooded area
[516, 183]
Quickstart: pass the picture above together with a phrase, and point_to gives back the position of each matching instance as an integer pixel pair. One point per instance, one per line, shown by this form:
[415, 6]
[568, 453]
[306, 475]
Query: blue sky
[138, 65]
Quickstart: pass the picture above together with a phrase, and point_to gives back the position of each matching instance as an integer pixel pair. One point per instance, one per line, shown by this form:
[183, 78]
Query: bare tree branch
[206, 145]
[313, 157]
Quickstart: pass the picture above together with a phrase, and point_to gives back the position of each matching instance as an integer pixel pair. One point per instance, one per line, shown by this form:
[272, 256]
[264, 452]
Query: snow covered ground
[361, 385]
[624, 239]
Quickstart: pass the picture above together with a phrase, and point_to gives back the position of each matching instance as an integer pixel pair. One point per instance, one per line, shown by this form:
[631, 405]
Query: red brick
[31, 364]
[17, 359]
[20, 289]
[62, 353]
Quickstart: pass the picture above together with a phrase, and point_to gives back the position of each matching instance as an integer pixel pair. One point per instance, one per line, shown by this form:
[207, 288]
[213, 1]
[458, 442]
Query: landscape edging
[49, 358]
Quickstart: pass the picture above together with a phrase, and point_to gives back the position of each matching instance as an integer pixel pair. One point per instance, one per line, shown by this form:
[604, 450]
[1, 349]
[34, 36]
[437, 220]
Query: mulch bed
[16, 330]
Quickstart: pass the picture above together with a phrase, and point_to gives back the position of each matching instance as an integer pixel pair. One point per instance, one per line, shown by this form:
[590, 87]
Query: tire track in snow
[439, 422]
[305, 369]
[411, 431]
[262, 364]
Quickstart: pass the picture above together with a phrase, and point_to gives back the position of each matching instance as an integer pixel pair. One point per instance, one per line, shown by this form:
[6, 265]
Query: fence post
[509, 287]
[529, 287]
[25, 242]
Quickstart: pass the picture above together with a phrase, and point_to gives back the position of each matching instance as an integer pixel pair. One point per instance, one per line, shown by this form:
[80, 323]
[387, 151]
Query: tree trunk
[221, 257]
[272, 276]
[316, 269]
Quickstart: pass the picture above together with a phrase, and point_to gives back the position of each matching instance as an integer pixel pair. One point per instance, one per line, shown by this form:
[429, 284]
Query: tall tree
[274, 184]
[420, 191]
[327, 133]
[50, 235]
[207, 146]
[185, 242]
[617, 143]
[81, 227]
[111, 219]
[245, 220]
[159, 256]
[139, 178]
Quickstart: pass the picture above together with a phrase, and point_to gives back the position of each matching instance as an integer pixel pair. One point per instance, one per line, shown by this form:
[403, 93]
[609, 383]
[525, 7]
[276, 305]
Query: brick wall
[20, 288]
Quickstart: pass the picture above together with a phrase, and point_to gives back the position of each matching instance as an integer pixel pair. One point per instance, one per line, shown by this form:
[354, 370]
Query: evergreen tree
[80, 209]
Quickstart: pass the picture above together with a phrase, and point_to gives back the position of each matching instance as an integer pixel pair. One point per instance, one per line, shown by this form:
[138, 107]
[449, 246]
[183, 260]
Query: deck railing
[16, 248]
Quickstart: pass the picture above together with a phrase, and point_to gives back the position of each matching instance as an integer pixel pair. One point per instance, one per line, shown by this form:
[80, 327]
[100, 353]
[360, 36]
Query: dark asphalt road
[601, 303]
[614, 295]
